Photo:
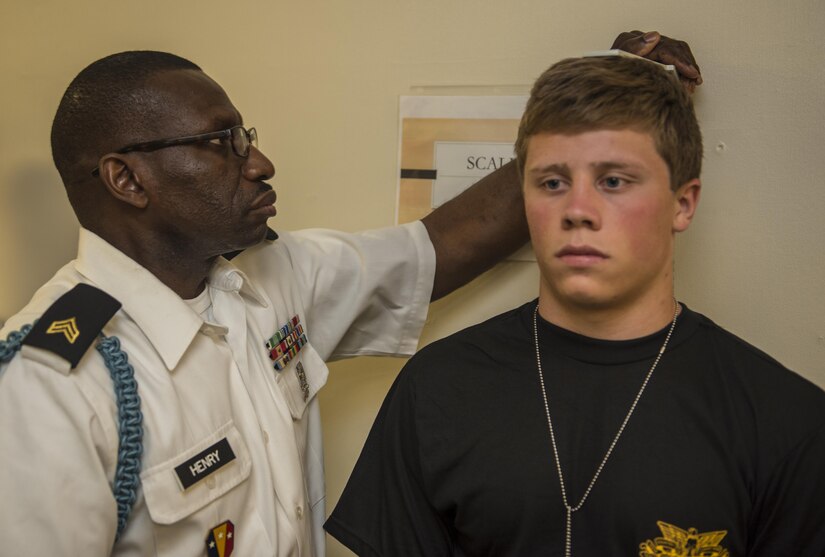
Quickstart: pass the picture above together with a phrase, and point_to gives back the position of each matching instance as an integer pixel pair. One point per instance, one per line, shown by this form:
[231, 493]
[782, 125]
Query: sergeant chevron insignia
[72, 323]
[66, 327]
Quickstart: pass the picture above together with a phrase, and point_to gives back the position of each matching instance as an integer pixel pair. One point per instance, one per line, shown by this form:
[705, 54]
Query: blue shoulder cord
[130, 428]
[129, 417]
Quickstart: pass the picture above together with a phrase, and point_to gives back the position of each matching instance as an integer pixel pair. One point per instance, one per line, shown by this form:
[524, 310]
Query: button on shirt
[226, 435]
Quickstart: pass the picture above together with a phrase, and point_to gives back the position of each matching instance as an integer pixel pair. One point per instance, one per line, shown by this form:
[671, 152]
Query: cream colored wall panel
[321, 80]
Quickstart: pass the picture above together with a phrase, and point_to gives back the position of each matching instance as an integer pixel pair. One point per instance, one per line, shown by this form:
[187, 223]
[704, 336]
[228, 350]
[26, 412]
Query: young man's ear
[685, 200]
[122, 182]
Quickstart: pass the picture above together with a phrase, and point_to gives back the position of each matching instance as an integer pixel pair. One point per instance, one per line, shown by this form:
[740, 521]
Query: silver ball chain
[568, 545]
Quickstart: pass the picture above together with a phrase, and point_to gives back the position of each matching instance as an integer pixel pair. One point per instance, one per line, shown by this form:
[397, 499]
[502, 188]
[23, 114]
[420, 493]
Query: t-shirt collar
[616, 352]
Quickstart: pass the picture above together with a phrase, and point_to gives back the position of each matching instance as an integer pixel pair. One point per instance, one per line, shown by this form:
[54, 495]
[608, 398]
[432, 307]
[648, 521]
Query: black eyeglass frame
[251, 136]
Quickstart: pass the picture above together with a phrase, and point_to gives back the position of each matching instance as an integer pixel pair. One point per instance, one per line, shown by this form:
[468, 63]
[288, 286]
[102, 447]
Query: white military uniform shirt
[203, 385]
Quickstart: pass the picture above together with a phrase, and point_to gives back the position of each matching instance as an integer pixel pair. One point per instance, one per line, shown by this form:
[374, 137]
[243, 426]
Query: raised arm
[476, 229]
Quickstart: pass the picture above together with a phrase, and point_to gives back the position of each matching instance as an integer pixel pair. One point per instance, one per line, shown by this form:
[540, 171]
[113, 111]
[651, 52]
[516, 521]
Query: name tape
[206, 462]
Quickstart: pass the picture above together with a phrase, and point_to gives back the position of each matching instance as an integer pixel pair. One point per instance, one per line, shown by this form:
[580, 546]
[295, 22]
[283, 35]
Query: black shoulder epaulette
[73, 322]
[271, 236]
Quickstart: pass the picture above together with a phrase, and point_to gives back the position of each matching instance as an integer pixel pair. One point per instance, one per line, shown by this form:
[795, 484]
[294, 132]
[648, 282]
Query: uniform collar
[153, 306]
[226, 276]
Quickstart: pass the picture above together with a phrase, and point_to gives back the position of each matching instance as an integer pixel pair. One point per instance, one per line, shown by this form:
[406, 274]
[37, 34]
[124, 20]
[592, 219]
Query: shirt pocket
[198, 476]
[301, 380]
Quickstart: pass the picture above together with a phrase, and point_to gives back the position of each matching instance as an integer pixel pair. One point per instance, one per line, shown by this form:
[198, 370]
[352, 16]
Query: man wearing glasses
[195, 429]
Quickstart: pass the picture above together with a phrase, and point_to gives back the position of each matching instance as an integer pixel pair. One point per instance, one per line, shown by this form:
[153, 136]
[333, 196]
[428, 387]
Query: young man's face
[602, 218]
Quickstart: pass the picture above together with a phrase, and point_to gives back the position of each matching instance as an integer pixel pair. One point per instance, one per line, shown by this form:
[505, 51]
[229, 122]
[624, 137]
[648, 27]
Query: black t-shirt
[725, 451]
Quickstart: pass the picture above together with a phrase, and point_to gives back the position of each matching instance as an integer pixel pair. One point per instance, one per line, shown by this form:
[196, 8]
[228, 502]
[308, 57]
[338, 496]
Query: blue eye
[612, 182]
[552, 184]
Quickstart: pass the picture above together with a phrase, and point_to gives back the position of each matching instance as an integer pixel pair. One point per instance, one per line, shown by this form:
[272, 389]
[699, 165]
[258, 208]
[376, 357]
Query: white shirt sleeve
[54, 463]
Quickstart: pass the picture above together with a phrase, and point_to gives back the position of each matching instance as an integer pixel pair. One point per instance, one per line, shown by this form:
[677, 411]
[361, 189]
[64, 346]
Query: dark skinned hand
[655, 46]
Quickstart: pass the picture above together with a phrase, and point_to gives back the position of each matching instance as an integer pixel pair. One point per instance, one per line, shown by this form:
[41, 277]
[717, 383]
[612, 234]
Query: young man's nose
[582, 206]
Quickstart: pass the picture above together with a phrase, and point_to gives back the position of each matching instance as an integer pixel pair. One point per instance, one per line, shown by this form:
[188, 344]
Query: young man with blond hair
[604, 418]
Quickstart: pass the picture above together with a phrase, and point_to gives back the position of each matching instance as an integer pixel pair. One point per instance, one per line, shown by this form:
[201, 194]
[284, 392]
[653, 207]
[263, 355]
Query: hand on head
[659, 48]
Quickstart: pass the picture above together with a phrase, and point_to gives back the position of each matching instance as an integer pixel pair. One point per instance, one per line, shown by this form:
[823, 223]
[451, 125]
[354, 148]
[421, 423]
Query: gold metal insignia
[66, 327]
[676, 542]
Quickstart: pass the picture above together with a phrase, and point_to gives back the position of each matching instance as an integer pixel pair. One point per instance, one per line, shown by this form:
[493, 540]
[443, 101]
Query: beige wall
[321, 80]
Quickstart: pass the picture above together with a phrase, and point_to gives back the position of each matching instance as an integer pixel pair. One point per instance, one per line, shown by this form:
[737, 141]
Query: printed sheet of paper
[449, 143]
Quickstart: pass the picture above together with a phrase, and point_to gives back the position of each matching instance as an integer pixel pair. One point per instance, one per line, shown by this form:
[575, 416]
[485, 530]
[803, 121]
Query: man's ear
[685, 199]
[121, 180]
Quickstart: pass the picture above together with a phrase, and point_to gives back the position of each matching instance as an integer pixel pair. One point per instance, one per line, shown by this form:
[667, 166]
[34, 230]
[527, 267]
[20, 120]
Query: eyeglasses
[240, 137]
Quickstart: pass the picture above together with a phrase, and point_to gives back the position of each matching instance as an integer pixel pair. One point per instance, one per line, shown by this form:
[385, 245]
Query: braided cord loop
[130, 418]
[10, 346]
[130, 428]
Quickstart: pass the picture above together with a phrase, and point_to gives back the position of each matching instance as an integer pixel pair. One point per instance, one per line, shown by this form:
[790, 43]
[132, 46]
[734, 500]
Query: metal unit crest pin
[302, 380]
[285, 344]
[221, 540]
